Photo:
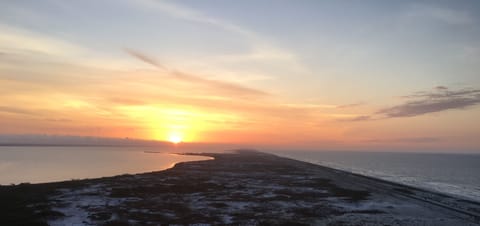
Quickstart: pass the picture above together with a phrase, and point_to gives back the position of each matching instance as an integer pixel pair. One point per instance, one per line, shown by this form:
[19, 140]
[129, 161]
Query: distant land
[85, 141]
[58, 140]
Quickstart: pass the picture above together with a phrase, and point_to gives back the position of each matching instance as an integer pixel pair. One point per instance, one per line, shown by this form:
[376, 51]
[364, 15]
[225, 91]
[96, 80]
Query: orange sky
[163, 71]
[154, 104]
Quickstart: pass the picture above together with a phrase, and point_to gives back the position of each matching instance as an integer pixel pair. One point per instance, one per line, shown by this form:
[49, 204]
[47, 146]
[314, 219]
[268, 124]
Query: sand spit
[241, 188]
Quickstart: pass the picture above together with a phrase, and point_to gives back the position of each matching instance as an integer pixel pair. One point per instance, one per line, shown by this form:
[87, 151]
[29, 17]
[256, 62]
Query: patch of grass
[404, 190]
[101, 216]
[282, 223]
[187, 187]
[116, 223]
[27, 204]
[218, 205]
[350, 194]
[368, 211]
[294, 194]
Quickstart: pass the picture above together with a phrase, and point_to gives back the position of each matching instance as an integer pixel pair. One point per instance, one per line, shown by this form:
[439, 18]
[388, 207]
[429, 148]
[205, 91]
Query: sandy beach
[237, 188]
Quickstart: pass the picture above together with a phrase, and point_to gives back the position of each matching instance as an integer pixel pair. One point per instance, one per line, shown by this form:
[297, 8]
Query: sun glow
[178, 125]
[175, 138]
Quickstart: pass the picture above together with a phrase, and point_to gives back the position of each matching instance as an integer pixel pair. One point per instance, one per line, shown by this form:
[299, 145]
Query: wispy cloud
[406, 140]
[350, 105]
[309, 106]
[441, 88]
[193, 15]
[126, 101]
[438, 13]
[261, 48]
[15, 110]
[17, 40]
[225, 87]
[356, 119]
[145, 58]
[440, 99]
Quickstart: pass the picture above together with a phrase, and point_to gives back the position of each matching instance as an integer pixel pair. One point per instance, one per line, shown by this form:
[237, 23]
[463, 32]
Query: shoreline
[245, 187]
[423, 189]
[460, 191]
[441, 195]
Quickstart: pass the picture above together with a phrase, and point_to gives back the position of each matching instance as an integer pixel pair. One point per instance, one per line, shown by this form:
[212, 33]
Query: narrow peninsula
[234, 188]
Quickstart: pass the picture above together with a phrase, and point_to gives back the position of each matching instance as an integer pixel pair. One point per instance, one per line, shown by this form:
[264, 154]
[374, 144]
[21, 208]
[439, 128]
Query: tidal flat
[234, 188]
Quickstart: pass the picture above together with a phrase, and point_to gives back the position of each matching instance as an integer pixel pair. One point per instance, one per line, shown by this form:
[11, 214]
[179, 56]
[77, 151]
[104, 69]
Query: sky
[320, 75]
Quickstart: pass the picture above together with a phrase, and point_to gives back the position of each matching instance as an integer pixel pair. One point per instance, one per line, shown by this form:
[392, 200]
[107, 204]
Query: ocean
[454, 174]
[30, 164]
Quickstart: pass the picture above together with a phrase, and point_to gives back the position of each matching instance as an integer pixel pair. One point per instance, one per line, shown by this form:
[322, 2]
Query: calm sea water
[457, 174]
[47, 164]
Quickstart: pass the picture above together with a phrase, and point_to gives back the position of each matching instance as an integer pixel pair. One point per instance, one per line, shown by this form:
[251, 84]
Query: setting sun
[175, 138]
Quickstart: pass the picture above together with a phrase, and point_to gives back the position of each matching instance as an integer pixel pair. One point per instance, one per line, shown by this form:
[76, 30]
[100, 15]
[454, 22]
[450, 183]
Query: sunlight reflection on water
[47, 164]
